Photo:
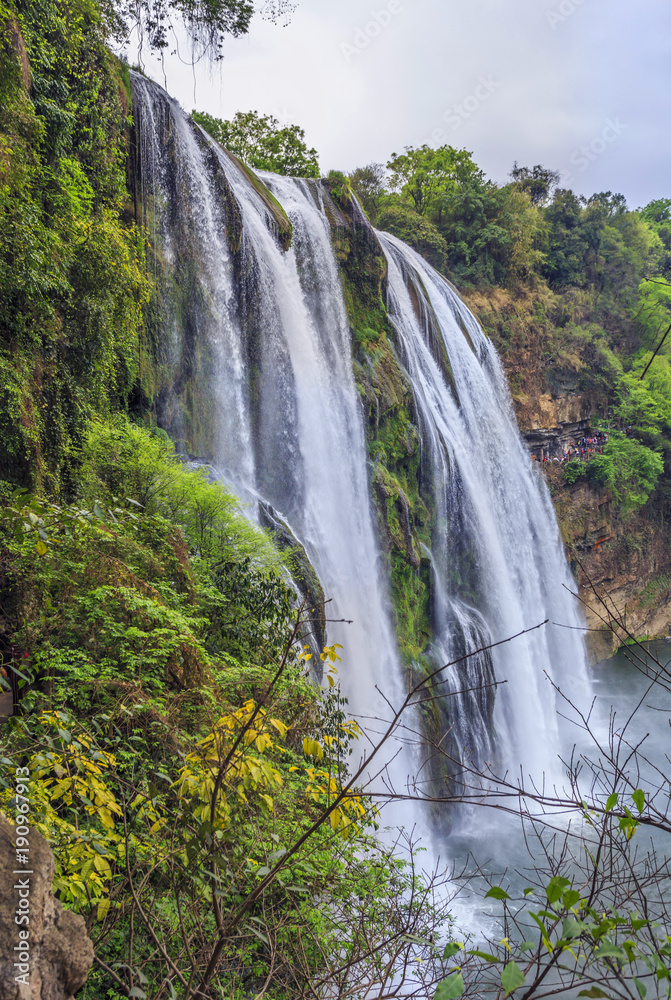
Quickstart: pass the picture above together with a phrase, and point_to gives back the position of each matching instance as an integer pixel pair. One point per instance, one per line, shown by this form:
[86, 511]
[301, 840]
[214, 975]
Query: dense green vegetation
[195, 784]
[71, 262]
[178, 750]
[574, 291]
[187, 771]
[263, 142]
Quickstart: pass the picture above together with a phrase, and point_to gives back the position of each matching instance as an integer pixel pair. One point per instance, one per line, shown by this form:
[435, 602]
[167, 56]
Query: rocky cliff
[559, 386]
[45, 952]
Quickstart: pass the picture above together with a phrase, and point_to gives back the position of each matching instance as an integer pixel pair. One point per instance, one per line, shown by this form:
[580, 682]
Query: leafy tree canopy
[207, 22]
[263, 142]
[368, 185]
[537, 181]
[425, 175]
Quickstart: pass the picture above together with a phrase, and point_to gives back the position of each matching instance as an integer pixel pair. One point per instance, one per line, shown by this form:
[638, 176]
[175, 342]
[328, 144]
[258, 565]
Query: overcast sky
[582, 87]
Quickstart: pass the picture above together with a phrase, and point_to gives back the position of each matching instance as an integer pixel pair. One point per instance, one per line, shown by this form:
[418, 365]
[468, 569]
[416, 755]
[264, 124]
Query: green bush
[628, 468]
[573, 471]
[121, 459]
[600, 471]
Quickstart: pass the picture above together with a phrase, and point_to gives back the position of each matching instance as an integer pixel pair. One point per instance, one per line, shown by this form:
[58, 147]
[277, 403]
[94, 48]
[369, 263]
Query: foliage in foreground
[72, 277]
[185, 769]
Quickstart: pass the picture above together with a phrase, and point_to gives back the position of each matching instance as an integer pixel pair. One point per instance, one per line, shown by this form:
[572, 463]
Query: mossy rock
[304, 576]
[281, 220]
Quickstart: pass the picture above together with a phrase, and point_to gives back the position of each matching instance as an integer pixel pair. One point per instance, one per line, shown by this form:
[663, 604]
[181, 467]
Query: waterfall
[497, 556]
[258, 342]
[289, 423]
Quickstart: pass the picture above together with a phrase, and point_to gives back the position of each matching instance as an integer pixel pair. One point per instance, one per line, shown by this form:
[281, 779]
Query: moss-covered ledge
[402, 507]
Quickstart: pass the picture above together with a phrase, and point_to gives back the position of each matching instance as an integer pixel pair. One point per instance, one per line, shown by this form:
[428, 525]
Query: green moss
[655, 592]
[284, 227]
[402, 506]
[410, 590]
[72, 271]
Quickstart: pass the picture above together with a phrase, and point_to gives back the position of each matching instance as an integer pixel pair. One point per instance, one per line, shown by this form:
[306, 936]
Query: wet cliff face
[622, 562]
[342, 381]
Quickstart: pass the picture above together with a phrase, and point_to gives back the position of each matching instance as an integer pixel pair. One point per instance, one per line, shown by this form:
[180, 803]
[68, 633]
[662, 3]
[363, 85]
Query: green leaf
[639, 799]
[527, 946]
[570, 898]
[257, 933]
[594, 991]
[610, 804]
[496, 892]
[512, 977]
[135, 991]
[556, 887]
[451, 948]
[608, 950]
[529, 890]
[451, 987]
[572, 928]
[640, 987]
[484, 955]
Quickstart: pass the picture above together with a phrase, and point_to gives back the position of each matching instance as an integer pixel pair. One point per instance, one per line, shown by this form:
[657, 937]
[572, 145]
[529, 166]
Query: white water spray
[497, 554]
[287, 425]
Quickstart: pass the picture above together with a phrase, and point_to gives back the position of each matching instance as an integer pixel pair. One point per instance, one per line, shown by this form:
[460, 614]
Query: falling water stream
[285, 423]
[497, 555]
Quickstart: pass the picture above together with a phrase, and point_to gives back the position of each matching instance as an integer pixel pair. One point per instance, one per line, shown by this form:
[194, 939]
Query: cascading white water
[182, 209]
[310, 453]
[286, 425]
[306, 334]
[497, 554]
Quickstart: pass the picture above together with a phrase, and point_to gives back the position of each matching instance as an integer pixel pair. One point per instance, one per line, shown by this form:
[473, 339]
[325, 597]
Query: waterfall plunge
[286, 424]
[496, 530]
[296, 437]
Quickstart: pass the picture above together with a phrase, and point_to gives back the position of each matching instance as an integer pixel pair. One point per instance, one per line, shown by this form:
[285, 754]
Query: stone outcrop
[622, 564]
[551, 423]
[625, 578]
[14, 43]
[59, 951]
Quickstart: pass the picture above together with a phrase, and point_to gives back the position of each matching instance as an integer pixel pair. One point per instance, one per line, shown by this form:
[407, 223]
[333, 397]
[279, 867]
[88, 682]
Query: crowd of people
[582, 449]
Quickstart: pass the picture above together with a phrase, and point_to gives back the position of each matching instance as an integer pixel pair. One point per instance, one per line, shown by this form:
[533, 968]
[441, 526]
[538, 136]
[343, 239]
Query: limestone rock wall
[58, 950]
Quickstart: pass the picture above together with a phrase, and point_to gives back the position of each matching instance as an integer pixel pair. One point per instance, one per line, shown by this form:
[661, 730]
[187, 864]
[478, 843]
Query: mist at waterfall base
[286, 425]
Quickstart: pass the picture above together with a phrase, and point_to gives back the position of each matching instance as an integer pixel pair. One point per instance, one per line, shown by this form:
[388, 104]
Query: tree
[423, 176]
[263, 142]
[537, 181]
[657, 214]
[416, 231]
[567, 242]
[368, 185]
[207, 22]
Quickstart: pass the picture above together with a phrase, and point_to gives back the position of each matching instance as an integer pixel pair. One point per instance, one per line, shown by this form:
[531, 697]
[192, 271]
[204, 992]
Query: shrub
[573, 471]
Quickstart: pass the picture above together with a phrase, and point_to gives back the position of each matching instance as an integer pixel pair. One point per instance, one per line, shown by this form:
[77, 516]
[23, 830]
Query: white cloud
[559, 81]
